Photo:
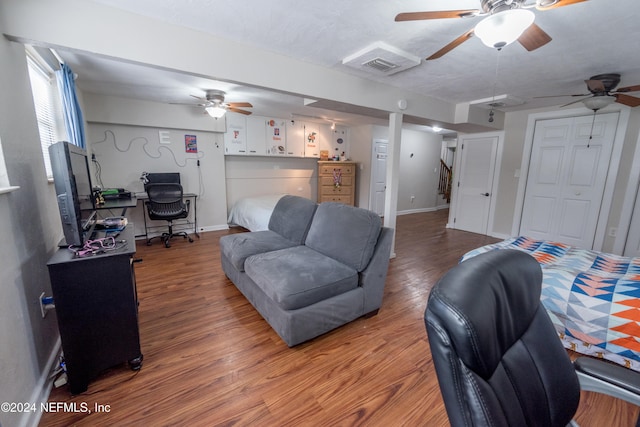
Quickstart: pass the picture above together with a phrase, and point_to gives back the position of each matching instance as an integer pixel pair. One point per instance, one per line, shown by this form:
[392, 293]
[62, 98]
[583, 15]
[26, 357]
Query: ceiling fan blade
[237, 110]
[191, 104]
[442, 14]
[575, 102]
[635, 88]
[595, 85]
[534, 37]
[558, 96]
[560, 3]
[199, 98]
[239, 104]
[628, 100]
[457, 42]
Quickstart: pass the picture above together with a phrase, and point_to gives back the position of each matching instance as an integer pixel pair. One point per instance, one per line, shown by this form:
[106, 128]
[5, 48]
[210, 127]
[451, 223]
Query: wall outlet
[42, 310]
[613, 232]
[46, 304]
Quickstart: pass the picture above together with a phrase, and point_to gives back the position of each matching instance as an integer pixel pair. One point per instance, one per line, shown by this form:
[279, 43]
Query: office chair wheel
[190, 240]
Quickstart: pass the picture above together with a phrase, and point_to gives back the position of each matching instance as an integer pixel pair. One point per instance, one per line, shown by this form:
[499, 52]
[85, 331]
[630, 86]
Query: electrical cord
[97, 246]
[109, 134]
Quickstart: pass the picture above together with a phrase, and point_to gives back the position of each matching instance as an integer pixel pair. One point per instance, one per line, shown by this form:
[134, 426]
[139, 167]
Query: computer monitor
[72, 181]
[162, 178]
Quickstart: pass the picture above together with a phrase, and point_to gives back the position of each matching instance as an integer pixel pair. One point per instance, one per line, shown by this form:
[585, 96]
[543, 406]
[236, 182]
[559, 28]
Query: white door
[378, 176]
[474, 184]
[566, 179]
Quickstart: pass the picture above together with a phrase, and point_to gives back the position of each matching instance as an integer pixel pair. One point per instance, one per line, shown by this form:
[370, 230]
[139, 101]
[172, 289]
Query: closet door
[567, 176]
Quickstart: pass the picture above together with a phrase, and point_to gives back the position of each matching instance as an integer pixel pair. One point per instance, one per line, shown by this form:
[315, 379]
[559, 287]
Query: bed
[591, 297]
[253, 213]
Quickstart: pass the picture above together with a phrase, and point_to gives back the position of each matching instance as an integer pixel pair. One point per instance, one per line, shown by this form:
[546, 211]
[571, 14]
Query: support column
[393, 175]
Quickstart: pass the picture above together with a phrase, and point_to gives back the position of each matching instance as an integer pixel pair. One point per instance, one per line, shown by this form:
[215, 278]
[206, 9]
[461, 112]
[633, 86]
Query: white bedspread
[253, 213]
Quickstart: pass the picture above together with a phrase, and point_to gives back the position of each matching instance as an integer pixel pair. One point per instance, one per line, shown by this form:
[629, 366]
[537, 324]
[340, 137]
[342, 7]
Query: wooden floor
[210, 359]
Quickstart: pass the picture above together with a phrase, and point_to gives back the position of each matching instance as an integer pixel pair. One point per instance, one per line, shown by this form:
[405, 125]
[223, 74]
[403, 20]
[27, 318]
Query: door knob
[484, 194]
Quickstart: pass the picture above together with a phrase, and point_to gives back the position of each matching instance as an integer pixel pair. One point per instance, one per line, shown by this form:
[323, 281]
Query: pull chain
[495, 82]
[591, 132]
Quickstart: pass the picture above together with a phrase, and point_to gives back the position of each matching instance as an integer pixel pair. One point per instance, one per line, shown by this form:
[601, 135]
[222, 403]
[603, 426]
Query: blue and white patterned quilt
[592, 297]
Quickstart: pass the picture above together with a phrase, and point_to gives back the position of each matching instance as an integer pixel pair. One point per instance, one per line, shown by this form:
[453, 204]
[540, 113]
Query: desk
[97, 309]
[123, 204]
[181, 224]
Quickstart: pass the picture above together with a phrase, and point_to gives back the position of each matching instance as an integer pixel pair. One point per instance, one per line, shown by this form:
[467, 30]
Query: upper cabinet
[312, 140]
[256, 136]
[267, 136]
[235, 139]
[275, 132]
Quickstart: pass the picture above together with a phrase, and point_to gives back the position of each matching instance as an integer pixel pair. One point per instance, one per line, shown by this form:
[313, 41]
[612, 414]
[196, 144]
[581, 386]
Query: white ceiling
[593, 37]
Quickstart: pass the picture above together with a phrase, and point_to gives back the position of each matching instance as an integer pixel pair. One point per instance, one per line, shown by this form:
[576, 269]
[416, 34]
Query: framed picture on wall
[190, 144]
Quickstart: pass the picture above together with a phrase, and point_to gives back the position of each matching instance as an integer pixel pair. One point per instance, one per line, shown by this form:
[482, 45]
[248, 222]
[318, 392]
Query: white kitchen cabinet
[235, 139]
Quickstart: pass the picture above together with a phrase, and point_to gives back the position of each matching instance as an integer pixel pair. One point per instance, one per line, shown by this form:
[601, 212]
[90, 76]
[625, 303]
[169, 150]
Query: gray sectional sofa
[315, 269]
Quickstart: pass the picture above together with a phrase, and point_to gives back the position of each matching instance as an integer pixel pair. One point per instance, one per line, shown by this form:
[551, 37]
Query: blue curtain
[73, 121]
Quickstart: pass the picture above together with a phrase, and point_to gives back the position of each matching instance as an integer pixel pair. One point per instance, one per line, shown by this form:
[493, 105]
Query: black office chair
[166, 203]
[497, 356]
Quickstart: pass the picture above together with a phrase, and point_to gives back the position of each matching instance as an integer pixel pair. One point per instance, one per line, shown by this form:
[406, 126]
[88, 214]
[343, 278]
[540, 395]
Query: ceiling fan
[215, 106]
[603, 93]
[505, 22]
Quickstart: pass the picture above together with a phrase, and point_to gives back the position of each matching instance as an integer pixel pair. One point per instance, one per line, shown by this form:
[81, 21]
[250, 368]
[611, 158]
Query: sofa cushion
[238, 247]
[345, 233]
[299, 276]
[291, 217]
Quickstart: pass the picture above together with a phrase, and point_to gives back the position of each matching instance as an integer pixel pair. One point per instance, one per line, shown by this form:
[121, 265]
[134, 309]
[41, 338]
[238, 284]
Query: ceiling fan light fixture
[215, 111]
[595, 103]
[503, 28]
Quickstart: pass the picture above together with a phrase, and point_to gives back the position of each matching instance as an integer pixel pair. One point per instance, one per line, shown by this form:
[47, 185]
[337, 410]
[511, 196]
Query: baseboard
[412, 211]
[42, 390]
[200, 230]
[499, 236]
[213, 228]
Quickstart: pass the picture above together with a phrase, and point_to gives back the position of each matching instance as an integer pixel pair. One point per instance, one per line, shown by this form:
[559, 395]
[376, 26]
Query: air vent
[380, 65]
[381, 58]
[498, 102]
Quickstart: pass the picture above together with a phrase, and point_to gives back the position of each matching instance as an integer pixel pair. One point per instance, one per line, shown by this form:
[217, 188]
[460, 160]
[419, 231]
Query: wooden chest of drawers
[337, 182]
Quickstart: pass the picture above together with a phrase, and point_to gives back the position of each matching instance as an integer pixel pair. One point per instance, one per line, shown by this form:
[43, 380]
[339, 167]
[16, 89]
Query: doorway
[378, 176]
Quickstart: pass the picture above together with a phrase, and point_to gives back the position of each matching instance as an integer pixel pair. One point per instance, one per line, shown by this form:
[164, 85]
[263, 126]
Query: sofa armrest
[373, 277]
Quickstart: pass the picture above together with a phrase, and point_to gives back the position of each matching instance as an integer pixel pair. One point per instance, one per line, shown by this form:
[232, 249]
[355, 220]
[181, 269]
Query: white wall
[419, 171]
[360, 138]
[248, 176]
[416, 174]
[124, 151]
[31, 230]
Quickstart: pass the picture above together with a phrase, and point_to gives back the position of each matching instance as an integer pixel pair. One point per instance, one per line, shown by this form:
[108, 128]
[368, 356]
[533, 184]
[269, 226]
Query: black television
[72, 181]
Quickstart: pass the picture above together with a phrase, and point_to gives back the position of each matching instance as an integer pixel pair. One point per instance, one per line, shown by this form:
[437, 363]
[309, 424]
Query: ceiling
[589, 38]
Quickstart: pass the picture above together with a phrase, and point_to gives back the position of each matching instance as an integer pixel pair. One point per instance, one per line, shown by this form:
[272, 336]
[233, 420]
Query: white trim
[495, 183]
[9, 189]
[609, 189]
[630, 196]
[614, 163]
[42, 390]
[422, 210]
